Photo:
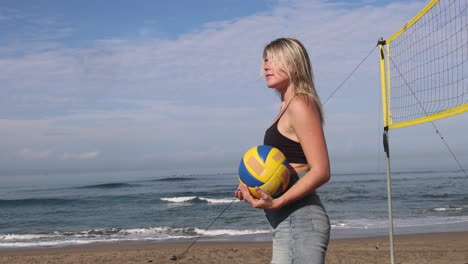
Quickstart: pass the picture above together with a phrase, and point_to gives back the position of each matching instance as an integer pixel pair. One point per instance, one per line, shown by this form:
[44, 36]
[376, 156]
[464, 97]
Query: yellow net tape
[424, 66]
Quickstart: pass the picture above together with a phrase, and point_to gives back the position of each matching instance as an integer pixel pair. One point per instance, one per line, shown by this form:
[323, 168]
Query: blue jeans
[301, 231]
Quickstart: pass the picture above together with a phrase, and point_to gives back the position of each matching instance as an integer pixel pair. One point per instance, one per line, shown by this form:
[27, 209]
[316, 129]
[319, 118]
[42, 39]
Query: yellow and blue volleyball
[266, 167]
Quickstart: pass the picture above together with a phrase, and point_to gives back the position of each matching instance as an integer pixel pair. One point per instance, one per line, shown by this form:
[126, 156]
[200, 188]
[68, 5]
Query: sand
[420, 248]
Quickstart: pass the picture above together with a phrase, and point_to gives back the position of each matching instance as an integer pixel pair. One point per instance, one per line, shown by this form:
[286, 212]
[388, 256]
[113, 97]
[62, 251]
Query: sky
[176, 86]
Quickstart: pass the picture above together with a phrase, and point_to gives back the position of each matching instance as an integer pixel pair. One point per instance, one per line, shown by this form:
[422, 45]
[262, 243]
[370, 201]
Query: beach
[415, 248]
[151, 218]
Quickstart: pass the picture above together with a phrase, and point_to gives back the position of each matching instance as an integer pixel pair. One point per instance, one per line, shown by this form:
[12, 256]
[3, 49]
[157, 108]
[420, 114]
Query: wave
[173, 179]
[356, 173]
[350, 200]
[445, 209]
[407, 172]
[400, 222]
[35, 201]
[107, 186]
[198, 199]
[435, 196]
[5, 203]
[113, 235]
[380, 173]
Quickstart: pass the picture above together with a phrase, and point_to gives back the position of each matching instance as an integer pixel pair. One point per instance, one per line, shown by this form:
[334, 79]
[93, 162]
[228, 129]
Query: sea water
[82, 208]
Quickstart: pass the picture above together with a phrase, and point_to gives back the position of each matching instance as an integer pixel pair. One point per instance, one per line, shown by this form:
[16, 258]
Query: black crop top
[290, 148]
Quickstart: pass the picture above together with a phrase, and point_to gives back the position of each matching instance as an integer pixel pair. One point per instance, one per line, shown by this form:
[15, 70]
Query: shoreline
[336, 234]
[450, 247]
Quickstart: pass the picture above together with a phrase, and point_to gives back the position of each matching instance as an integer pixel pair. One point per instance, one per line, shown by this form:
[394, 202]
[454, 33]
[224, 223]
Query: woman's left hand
[265, 201]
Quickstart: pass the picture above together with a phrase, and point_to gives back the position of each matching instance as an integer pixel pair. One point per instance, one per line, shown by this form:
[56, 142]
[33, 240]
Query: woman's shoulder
[303, 108]
[302, 102]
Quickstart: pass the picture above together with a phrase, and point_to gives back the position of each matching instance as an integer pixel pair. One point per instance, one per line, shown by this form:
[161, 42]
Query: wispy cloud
[81, 156]
[196, 94]
[30, 153]
[221, 59]
[10, 14]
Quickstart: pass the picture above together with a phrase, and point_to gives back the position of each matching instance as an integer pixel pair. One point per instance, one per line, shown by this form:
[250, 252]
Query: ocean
[83, 208]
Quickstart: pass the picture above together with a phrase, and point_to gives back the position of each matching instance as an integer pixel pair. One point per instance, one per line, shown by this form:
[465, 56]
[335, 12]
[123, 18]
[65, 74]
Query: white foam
[444, 209]
[26, 236]
[57, 239]
[162, 231]
[196, 231]
[408, 222]
[231, 232]
[183, 199]
[186, 199]
[66, 242]
[216, 201]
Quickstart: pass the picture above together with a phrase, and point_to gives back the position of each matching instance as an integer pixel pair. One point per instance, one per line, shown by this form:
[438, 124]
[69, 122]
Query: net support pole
[389, 196]
[383, 83]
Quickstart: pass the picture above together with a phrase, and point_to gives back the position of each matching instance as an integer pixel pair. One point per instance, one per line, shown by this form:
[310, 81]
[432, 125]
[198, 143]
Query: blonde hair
[290, 56]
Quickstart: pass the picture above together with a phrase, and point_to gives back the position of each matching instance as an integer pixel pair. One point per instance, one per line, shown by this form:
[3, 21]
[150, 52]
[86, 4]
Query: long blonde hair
[291, 56]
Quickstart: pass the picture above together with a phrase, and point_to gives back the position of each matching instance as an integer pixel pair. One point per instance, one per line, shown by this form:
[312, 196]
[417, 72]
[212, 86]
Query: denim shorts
[301, 231]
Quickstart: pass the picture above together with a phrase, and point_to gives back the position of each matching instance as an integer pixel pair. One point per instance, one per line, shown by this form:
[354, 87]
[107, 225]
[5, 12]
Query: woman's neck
[287, 95]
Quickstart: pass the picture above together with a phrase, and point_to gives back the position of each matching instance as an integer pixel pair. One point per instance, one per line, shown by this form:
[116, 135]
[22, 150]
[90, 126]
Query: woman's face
[275, 77]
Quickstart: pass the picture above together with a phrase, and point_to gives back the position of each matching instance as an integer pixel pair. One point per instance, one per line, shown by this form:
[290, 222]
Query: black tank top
[290, 148]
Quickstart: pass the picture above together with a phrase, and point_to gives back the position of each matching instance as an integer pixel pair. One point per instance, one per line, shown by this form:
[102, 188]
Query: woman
[300, 224]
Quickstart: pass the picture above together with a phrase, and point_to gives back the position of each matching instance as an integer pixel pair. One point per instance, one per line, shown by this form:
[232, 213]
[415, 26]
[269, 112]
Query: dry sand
[450, 248]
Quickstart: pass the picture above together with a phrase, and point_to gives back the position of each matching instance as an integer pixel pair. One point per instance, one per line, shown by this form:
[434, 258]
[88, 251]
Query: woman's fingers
[262, 194]
[247, 195]
[239, 195]
[265, 200]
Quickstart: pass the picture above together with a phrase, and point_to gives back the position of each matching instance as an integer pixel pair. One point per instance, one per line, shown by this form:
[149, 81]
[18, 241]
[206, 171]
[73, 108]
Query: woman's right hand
[238, 193]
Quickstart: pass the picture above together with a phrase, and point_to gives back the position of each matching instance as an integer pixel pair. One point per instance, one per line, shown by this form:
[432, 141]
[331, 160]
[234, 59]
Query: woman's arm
[304, 119]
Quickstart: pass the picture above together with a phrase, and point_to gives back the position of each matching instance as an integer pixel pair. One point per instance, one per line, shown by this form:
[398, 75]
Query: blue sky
[91, 21]
[176, 85]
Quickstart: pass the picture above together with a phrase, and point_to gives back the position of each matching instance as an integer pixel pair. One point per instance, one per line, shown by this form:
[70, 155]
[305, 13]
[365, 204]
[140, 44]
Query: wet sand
[419, 248]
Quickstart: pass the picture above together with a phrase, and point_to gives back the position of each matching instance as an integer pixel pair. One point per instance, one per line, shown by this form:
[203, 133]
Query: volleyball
[266, 167]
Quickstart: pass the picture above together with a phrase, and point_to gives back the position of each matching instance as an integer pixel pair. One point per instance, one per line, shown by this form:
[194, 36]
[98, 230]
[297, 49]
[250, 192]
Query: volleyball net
[424, 66]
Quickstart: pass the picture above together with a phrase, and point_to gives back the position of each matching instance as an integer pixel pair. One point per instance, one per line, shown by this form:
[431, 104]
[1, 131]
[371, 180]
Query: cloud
[198, 96]
[31, 27]
[29, 153]
[81, 156]
[10, 14]
[220, 60]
